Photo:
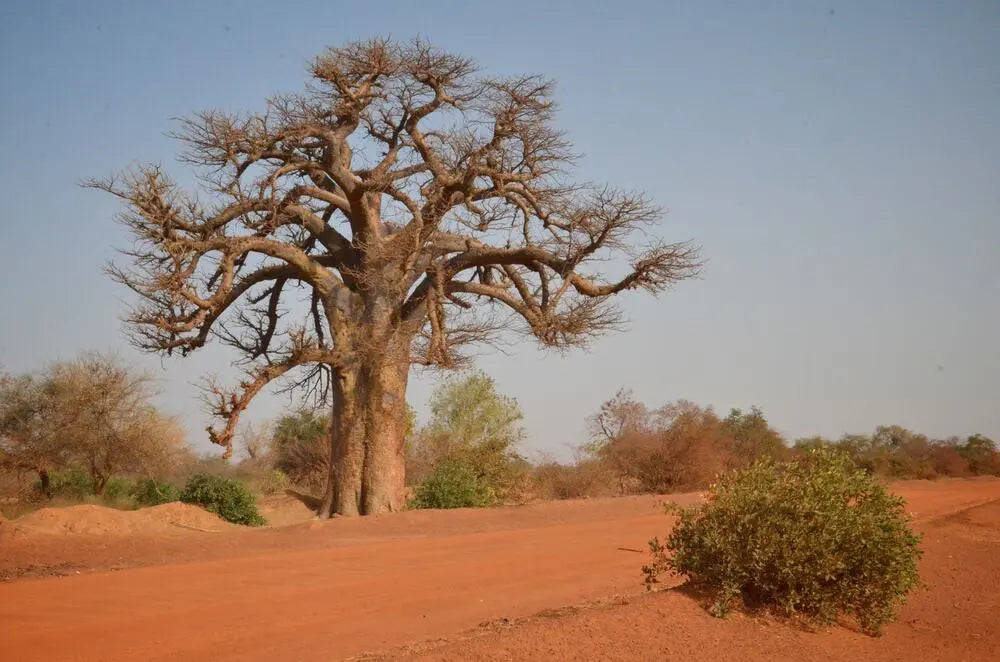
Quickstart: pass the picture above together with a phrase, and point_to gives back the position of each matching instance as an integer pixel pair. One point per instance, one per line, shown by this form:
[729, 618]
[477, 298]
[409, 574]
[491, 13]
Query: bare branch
[401, 199]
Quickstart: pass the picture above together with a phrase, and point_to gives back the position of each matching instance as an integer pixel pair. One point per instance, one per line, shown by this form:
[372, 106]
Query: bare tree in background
[618, 416]
[255, 441]
[399, 208]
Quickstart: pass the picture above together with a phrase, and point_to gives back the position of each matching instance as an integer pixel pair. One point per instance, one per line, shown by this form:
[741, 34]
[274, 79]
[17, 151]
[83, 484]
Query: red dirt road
[330, 590]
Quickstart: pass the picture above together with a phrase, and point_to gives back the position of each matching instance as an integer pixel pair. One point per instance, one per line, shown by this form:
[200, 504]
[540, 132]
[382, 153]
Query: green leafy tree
[474, 425]
[753, 437]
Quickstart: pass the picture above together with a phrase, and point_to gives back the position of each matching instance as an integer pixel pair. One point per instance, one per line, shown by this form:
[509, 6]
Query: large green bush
[151, 492]
[453, 484]
[815, 537]
[228, 498]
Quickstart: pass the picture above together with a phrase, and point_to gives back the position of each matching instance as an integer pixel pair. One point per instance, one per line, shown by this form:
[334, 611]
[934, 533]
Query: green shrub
[453, 484]
[816, 537]
[228, 498]
[119, 491]
[151, 492]
[73, 483]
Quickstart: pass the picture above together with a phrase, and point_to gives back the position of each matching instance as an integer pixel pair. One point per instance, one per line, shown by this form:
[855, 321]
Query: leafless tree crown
[401, 195]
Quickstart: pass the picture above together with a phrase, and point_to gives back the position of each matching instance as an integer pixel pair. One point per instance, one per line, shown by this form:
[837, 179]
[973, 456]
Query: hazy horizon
[838, 163]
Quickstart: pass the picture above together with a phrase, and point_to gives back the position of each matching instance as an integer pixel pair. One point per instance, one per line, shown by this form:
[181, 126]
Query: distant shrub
[586, 478]
[119, 491]
[678, 446]
[72, 483]
[947, 461]
[228, 498]
[816, 537]
[274, 481]
[151, 492]
[453, 484]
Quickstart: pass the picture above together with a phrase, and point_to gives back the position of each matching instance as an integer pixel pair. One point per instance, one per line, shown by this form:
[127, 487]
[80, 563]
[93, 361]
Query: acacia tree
[399, 207]
[24, 446]
[93, 412]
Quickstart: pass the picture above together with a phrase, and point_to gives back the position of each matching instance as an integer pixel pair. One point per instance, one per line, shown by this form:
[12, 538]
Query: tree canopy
[94, 412]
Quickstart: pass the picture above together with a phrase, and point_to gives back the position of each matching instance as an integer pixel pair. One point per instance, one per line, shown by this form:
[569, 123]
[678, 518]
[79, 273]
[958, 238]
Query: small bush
[586, 478]
[453, 484]
[228, 498]
[817, 537]
[151, 492]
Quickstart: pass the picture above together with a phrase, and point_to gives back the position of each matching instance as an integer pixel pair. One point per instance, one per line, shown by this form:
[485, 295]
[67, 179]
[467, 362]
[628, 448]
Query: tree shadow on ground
[748, 606]
[309, 501]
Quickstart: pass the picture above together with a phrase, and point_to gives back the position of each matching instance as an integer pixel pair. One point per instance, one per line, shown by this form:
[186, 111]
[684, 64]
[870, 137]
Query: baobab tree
[400, 207]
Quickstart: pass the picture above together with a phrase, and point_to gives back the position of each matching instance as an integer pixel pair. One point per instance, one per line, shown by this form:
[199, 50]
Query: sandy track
[336, 589]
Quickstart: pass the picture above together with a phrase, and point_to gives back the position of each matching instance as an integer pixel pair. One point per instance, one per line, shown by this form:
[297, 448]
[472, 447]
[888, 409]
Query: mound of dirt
[184, 515]
[91, 520]
[280, 510]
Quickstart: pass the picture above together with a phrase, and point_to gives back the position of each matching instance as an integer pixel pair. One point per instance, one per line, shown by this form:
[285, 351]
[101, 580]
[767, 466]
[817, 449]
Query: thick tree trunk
[383, 480]
[367, 433]
[347, 437]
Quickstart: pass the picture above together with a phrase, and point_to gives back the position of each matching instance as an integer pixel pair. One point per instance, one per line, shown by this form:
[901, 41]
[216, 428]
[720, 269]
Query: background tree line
[633, 448]
[87, 428]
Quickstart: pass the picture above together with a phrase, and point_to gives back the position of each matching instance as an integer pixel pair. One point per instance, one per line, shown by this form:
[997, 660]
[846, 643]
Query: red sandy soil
[549, 581]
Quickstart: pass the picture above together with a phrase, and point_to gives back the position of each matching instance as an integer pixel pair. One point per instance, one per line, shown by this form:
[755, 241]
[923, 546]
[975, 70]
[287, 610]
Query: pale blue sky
[838, 161]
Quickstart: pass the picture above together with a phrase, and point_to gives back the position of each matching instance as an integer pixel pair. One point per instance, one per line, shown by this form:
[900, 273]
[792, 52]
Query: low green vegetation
[453, 484]
[85, 431]
[151, 492]
[70, 483]
[815, 537]
[228, 498]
